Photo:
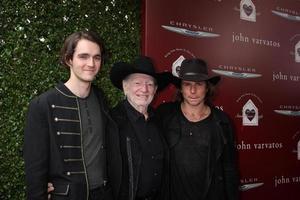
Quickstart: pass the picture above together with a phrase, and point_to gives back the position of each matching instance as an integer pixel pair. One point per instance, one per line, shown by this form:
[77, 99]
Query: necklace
[195, 115]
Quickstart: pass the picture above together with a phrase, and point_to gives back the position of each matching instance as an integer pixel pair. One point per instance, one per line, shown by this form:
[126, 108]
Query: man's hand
[50, 189]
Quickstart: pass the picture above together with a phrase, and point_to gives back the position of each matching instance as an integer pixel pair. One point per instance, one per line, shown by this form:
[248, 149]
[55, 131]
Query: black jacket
[53, 145]
[224, 174]
[125, 173]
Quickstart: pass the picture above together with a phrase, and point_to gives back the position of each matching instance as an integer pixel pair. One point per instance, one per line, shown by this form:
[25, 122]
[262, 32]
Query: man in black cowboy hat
[135, 144]
[200, 138]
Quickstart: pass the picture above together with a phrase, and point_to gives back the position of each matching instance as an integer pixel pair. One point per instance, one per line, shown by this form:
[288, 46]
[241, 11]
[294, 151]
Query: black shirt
[93, 140]
[151, 145]
[192, 158]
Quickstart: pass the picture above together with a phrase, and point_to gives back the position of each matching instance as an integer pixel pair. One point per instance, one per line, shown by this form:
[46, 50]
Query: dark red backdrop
[256, 46]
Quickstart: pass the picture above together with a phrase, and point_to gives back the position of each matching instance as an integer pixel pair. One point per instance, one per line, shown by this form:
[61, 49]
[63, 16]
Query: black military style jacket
[53, 149]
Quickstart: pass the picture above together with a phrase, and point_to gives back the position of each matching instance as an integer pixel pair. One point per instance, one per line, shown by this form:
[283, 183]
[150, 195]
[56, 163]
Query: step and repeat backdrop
[255, 47]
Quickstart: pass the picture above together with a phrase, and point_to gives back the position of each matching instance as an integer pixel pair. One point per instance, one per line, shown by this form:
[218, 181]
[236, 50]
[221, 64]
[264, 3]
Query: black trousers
[145, 198]
[152, 197]
[101, 193]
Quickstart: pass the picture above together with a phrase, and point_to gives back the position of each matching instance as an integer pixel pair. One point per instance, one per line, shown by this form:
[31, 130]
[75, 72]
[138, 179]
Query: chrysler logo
[288, 112]
[286, 16]
[236, 74]
[190, 33]
[250, 186]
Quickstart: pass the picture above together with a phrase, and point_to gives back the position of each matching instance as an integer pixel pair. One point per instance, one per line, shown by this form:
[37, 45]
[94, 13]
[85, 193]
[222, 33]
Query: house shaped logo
[298, 150]
[247, 10]
[250, 114]
[176, 65]
[297, 52]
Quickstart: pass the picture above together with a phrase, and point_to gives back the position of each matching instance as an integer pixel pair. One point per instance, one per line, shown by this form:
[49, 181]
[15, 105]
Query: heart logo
[247, 9]
[298, 51]
[250, 114]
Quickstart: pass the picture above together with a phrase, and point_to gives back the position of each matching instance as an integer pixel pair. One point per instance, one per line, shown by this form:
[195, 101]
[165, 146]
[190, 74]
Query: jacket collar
[65, 91]
[134, 114]
[60, 87]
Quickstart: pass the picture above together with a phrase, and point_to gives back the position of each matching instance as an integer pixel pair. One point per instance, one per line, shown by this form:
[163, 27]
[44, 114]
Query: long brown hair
[208, 96]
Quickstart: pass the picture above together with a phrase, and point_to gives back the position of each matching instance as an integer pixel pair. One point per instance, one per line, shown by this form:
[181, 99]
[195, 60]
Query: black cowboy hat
[141, 64]
[194, 69]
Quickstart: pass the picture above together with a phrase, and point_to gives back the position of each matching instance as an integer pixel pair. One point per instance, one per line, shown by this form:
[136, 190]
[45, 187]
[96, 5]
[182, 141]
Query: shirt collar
[135, 115]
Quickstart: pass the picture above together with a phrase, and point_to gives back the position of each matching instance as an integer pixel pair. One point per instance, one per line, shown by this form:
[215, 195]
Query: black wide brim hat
[142, 65]
[194, 70]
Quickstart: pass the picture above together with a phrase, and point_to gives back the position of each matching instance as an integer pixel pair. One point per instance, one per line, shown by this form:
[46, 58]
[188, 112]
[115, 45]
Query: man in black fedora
[200, 138]
[137, 148]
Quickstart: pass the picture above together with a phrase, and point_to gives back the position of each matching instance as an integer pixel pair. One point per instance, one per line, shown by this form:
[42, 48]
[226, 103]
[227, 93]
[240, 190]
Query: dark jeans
[101, 193]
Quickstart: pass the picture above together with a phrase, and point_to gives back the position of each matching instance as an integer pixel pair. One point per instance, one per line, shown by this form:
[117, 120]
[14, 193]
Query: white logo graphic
[187, 32]
[297, 52]
[176, 65]
[250, 114]
[286, 15]
[247, 10]
[240, 75]
[288, 112]
[298, 150]
[250, 186]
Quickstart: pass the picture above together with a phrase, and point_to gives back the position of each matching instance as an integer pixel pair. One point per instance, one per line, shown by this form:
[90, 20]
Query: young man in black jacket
[65, 129]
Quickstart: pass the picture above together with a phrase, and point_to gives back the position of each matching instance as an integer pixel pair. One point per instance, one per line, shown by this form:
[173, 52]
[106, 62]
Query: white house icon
[297, 52]
[250, 114]
[247, 10]
[298, 150]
